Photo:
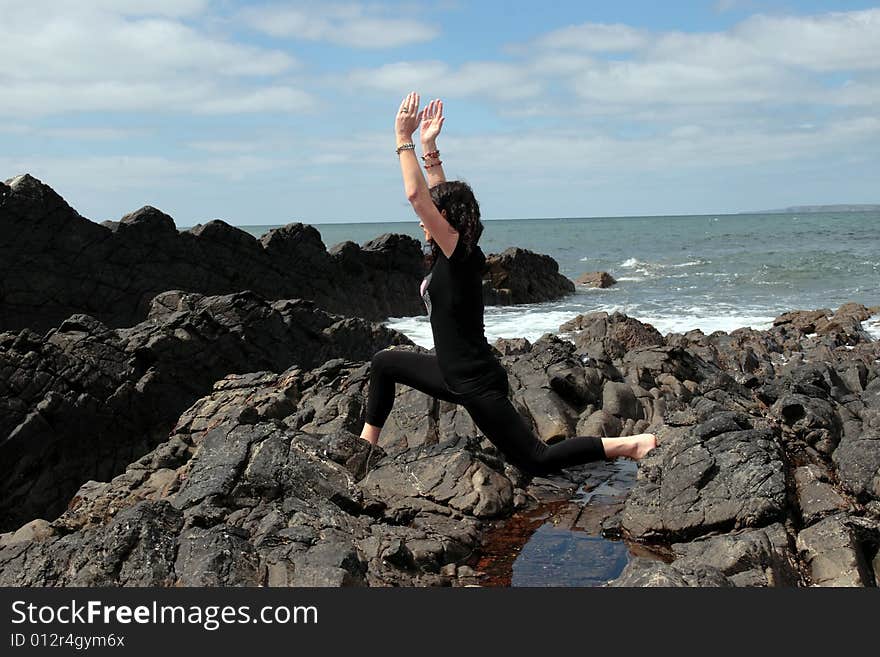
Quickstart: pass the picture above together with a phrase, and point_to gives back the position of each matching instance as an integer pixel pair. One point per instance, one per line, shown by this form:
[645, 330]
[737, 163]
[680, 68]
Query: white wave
[633, 279]
[631, 263]
[872, 326]
[531, 321]
[707, 323]
[417, 329]
[693, 263]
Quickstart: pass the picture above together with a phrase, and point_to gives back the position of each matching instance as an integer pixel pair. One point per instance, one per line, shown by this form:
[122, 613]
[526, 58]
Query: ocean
[708, 272]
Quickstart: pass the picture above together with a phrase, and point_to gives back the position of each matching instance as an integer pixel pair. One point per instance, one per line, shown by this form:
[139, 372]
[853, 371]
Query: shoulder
[463, 256]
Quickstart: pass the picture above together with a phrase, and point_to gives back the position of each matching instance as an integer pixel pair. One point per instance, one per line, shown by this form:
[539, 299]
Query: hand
[408, 116]
[432, 120]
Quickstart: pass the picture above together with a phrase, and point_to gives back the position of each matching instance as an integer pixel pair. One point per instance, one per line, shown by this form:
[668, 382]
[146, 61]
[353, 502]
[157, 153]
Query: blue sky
[267, 113]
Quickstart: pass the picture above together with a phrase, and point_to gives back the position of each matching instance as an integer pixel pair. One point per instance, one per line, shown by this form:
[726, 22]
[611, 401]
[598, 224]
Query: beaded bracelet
[406, 147]
[436, 164]
[435, 154]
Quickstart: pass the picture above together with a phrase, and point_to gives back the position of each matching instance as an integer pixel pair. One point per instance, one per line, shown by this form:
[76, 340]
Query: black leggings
[490, 409]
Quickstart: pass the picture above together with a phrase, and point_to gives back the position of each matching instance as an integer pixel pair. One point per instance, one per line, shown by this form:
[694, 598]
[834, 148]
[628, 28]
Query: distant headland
[864, 207]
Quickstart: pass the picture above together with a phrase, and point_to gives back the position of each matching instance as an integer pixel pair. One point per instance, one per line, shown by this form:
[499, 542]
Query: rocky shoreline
[214, 441]
[766, 473]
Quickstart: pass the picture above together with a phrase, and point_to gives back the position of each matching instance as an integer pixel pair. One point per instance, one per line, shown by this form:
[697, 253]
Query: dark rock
[817, 497]
[759, 557]
[86, 400]
[512, 346]
[599, 423]
[619, 399]
[710, 477]
[600, 279]
[809, 419]
[641, 572]
[833, 554]
[55, 263]
[603, 336]
[229, 502]
[858, 460]
[521, 276]
[445, 476]
[844, 325]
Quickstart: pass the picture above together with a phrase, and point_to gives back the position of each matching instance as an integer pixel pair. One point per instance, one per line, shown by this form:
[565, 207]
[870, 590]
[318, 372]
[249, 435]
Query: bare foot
[644, 443]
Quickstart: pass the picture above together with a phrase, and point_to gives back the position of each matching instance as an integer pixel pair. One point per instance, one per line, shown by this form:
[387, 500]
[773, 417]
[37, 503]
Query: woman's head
[456, 202]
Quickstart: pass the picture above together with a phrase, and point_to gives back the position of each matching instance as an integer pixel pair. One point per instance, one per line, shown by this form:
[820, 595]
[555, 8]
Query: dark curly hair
[462, 213]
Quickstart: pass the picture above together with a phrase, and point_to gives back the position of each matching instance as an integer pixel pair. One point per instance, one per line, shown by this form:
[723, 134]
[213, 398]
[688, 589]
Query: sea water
[708, 272]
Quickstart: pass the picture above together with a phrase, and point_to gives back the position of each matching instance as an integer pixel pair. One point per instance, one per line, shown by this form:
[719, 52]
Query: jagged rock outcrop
[85, 400]
[764, 477]
[55, 263]
[521, 276]
[604, 337]
[792, 448]
[242, 493]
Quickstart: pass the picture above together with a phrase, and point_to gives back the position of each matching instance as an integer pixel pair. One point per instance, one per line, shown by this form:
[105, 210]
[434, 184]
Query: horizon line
[620, 216]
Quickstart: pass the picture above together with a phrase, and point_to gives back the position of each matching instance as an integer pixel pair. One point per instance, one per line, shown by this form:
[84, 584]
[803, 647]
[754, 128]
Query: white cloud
[830, 42]
[762, 62]
[108, 56]
[573, 157]
[356, 26]
[770, 60]
[495, 80]
[266, 99]
[596, 37]
[9, 8]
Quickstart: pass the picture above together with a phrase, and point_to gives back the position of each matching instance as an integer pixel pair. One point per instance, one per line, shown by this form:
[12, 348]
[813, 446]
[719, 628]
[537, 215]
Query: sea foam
[872, 326]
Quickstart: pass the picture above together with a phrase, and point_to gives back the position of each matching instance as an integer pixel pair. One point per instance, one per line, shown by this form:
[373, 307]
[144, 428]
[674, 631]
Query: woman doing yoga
[464, 370]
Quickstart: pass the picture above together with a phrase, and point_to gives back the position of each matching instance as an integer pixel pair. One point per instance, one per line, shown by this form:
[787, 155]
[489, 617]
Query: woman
[464, 369]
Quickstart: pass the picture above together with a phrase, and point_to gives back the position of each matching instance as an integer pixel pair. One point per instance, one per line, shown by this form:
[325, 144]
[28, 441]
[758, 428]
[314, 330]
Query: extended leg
[502, 424]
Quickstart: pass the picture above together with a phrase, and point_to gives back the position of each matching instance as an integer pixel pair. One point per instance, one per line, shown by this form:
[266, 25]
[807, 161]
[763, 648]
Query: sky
[267, 113]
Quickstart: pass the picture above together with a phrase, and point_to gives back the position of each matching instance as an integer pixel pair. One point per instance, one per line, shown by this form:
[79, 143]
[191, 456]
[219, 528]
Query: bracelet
[406, 147]
[435, 154]
[436, 164]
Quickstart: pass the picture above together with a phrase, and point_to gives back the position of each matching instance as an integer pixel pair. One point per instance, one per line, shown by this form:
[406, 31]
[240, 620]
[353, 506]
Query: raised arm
[414, 184]
[432, 122]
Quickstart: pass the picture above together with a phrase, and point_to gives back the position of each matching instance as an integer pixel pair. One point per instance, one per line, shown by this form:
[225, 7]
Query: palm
[432, 120]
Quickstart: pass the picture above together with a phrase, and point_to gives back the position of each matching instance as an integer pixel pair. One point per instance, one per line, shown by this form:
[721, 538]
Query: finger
[416, 103]
[439, 107]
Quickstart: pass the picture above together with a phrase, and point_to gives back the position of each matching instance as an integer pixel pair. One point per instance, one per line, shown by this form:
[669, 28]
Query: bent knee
[381, 359]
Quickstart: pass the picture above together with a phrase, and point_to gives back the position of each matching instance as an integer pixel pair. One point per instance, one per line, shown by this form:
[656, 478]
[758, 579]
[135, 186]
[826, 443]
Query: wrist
[403, 138]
